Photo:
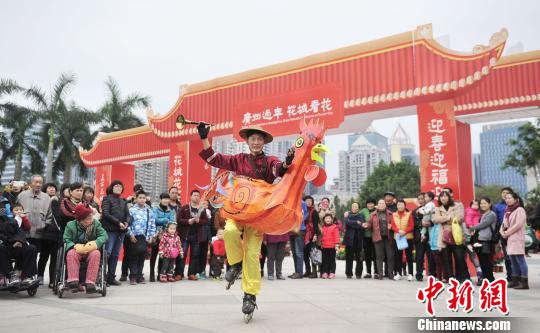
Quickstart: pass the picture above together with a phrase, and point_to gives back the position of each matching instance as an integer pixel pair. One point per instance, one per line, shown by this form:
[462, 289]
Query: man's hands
[17, 244]
[123, 226]
[133, 239]
[203, 129]
[193, 220]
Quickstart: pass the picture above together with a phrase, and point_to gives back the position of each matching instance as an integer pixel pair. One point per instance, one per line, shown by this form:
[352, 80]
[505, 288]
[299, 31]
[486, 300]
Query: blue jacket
[163, 217]
[499, 210]
[142, 222]
[304, 216]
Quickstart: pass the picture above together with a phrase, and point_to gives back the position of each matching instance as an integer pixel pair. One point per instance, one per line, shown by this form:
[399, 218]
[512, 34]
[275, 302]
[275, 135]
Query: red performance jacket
[267, 167]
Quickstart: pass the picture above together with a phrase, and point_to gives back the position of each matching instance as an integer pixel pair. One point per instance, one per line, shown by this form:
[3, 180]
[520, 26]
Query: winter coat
[488, 223]
[472, 217]
[114, 210]
[352, 228]
[374, 225]
[36, 207]
[10, 232]
[403, 221]
[312, 226]
[142, 222]
[183, 217]
[54, 229]
[75, 235]
[367, 214]
[218, 247]
[163, 217]
[444, 218]
[330, 236]
[513, 229]
[169, 242]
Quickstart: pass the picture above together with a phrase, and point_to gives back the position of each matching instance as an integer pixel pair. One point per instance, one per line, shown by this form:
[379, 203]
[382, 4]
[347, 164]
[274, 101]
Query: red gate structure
[408, 72]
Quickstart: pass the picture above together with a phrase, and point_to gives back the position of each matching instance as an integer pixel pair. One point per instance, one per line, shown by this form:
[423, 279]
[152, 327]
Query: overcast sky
[152, 47]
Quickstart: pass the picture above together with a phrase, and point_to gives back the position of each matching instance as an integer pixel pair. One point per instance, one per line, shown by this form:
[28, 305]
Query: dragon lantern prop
[272, 208]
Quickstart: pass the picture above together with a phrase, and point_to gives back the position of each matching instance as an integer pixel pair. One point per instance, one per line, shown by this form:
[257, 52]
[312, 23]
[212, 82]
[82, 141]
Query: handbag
[401, 242]
[173, 253]
[457, 232]
[315, 254]
[447, 237]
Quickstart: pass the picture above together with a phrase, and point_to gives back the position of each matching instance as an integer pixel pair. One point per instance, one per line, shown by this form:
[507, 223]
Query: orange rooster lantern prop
[273, 209]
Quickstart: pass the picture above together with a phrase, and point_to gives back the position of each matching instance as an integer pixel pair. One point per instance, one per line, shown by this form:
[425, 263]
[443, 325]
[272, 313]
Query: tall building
[477, 171]
[401, 147]
[374, 137]
[152, 175]
[357, 164]
[494, 149]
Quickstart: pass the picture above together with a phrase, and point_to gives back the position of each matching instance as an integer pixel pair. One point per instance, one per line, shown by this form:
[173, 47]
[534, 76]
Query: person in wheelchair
[83, 236]
[13, 245]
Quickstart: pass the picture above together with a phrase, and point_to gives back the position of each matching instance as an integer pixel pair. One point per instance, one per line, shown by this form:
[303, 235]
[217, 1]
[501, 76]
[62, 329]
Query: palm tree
[117, 113]
[8, 86]
[73, 127]
[49, 110]
[20, 121]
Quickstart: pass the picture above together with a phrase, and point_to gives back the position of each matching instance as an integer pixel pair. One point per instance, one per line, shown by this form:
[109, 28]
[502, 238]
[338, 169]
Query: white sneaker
[397, 277]
[410, 278]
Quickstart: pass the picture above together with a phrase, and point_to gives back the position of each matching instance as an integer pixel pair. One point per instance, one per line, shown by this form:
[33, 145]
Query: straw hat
[246, 132]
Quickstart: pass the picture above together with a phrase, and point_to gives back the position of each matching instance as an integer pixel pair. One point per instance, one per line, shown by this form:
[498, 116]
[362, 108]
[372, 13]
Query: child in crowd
[21, 218]
[141, 233]
[170, 247]
[218, 255]
[13, 227]
[330, 243]
[472, 218]
[427, 211]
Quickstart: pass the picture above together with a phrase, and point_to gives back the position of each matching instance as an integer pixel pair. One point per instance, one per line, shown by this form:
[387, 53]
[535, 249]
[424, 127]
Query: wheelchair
[31, 289]
[60, 281]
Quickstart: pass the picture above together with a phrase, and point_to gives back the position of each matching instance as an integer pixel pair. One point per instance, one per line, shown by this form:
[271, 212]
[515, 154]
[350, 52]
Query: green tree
[533, 199]
[526, 150]
[9, 86]
[118, 113]
[50, 109]
[20, 122]
[73, 127]
[491, 191]
[402, 178]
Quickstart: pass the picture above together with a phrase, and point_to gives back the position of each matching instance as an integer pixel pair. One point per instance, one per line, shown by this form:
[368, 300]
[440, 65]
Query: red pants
[74, 264]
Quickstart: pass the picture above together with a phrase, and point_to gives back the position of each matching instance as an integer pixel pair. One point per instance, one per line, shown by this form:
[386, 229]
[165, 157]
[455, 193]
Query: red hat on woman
[82, 211]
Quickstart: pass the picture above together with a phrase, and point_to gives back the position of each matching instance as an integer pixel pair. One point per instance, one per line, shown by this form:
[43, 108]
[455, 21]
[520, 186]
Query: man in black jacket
[115, 219]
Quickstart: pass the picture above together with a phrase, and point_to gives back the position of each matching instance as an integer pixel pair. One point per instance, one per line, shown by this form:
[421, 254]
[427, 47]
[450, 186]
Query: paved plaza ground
[317, 305]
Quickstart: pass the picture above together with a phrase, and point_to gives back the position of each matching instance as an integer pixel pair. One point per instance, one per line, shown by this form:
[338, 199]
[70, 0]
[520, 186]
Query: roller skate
[248, 307]
[233, 274]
